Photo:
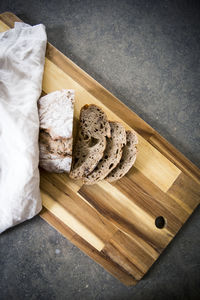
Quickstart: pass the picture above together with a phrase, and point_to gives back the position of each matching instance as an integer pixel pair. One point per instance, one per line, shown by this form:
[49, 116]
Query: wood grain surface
[115, 223]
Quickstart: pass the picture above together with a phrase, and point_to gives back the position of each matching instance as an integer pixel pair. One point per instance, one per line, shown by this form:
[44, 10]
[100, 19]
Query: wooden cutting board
[117, 224]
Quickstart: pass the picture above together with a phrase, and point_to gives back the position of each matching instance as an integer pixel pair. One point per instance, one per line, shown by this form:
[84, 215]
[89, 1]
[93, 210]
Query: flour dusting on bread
[56, 124]
[56, 113]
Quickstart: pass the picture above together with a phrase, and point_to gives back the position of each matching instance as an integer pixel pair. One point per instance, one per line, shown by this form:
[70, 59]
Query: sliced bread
[128, 158]
[112, 154]
[91, 141]
[93, 122]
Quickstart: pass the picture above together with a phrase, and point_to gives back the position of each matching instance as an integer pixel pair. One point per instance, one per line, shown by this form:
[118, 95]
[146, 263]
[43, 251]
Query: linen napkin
[22, 56]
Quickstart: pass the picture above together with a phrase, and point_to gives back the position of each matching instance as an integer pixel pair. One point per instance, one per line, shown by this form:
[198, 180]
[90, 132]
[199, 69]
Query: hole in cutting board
[160, 222]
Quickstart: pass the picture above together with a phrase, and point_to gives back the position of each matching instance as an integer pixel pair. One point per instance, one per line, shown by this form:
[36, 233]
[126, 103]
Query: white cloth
[22, 56]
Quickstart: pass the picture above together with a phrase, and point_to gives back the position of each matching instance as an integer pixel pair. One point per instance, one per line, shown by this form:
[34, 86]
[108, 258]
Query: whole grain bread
[93, 122]
[91, 141]
[112, 154]
[128, 158]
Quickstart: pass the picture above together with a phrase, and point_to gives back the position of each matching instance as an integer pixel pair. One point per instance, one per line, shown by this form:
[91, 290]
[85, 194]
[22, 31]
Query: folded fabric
[22, 57]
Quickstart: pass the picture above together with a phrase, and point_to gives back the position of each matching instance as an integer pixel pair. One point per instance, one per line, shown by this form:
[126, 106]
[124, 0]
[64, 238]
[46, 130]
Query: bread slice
[93, 122]
[128, 158]
[112, 154]
[91, 141]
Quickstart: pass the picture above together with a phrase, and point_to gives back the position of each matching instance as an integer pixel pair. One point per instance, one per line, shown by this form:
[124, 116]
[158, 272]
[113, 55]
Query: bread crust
[55, 136]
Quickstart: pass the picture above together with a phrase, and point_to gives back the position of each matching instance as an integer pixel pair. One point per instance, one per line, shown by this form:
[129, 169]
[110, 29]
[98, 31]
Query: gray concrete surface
[148, 54]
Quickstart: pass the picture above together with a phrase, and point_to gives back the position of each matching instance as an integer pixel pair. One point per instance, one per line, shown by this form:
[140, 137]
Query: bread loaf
[55, 137]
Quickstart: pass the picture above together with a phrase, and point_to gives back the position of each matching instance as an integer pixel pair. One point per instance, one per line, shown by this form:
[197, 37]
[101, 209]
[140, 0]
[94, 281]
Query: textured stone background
[147, 53]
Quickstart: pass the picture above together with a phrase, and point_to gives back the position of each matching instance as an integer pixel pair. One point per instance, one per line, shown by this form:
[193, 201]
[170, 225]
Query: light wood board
[115, 223]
